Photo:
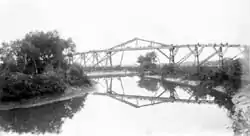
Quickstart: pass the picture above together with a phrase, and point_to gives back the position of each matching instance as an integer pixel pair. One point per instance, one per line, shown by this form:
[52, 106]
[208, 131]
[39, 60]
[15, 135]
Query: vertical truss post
[110, 84]
[107, 60]
[196, 53]
[220, 57]
[96, 58]
[136, 42]
[93, 58]
[121, 58]
[84, 59]
[110, 59]
[171, 55]
[107, 85]
[220, 54]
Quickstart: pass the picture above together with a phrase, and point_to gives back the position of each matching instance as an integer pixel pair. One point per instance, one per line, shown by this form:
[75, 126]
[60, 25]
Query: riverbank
[242, 107]
[69, 93]
[20, 90]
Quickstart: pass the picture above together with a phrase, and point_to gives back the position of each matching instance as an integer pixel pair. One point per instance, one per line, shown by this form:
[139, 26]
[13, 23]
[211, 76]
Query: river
[124, 106]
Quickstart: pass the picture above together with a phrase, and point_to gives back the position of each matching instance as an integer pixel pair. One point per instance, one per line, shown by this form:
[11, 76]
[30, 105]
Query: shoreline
[70, 93]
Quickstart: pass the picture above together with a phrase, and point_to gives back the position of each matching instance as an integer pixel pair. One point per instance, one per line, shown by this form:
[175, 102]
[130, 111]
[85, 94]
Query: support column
[84, 59]
[107, 60]
[93, 58]
[221, 57]
[172, 55]
[110, 58]
[196, 53]
[97, 60]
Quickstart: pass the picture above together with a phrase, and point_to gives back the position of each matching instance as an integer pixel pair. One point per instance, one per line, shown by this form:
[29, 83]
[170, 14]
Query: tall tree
[148, 61]
[37, 50]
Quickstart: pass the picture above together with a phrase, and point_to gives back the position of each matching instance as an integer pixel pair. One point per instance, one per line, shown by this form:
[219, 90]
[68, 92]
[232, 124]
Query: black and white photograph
[124, 67]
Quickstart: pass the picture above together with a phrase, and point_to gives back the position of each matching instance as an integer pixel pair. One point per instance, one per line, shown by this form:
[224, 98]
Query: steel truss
[103, 58]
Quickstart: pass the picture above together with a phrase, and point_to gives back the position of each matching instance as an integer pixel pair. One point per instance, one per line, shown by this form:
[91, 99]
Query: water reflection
[149, 84]
[163, 91]
[174, 104]
[198, 92]
[136, 92]
[40, 120]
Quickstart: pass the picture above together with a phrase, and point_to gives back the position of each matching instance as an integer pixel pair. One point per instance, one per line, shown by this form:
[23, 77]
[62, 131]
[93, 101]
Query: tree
[36, 50]
[37, 66]
[148, 61]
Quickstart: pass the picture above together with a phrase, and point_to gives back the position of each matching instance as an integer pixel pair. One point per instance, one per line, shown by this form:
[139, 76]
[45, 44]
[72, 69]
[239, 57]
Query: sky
[99, 24]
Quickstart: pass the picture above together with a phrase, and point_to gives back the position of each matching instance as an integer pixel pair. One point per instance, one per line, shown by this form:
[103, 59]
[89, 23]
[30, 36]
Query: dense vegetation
[228, 76]
[38, 65]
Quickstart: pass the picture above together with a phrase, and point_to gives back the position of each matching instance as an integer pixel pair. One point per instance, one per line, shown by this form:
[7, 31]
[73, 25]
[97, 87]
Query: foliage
[147, 62]
[38, 65]
[18, 86]
[168, 69]
[149, 84]
[229, 77]
[76, 76]
[35, 51]
[149, 57]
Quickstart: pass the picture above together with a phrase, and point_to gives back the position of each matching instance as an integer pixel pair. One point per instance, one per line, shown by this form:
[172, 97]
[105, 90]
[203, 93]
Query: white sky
[102, 24]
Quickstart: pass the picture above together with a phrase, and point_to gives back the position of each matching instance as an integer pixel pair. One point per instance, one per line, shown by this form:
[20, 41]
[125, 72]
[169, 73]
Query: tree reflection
[169, 87]
[40, 120]
[199, 92]
[149, 83]
[231, 85]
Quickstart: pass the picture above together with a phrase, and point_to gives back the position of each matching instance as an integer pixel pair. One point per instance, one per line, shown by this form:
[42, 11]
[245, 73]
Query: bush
[76, 76]
[18, 86]
[229, 76]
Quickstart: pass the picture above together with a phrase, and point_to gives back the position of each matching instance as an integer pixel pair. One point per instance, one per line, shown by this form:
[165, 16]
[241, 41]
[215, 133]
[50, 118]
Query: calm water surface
[127, 106]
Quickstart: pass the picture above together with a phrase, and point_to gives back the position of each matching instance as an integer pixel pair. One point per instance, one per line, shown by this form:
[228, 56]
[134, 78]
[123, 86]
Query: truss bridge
[103, 58]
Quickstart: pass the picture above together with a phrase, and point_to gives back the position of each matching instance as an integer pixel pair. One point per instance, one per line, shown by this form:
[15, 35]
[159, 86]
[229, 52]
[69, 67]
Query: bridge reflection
[163, 91]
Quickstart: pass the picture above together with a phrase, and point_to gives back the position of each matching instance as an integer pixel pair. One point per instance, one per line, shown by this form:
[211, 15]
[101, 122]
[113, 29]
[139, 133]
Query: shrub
[18, 86]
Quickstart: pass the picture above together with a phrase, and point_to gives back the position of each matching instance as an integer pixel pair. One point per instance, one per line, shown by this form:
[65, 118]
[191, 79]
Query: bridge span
[104, 57]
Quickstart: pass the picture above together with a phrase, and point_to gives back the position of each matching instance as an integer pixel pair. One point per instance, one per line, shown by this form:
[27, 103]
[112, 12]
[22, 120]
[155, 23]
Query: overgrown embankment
[38, 66]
